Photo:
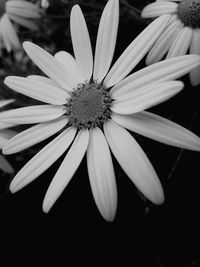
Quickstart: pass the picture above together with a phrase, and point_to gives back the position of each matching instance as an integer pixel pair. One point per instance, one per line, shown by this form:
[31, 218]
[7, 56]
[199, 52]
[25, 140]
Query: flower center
[88, 106]
[189, 13]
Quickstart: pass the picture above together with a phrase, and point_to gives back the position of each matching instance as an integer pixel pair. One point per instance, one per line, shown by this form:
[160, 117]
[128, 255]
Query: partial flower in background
[89, 107]
[5, 135]
[181, 34]
[20, 12]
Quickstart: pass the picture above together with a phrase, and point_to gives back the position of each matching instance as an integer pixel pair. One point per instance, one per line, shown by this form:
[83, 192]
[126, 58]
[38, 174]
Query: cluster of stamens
[189, 13]
[88, 106]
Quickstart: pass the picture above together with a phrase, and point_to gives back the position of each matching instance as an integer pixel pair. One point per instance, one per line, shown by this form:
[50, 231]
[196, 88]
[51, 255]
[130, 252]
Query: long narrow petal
[5, 102]
[32, 114]
[146, 97]
[101, 174]
[4, 125]
[43, 79]
[33, 135]
[159, 129]
[168, 69]
[37, 89]
[5, 135]
[48, 64]
[67, 169]
[27, 23]
[43, 160]
[135, 51]
[69, 64]
[134, 162]
[81, 43]
[5, 165]
[163, 43]
[181, 43]
[106, 39]
[195, 49]
[159, 8]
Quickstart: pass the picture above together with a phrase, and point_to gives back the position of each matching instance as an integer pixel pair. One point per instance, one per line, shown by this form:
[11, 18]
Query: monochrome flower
[181, 34]
[89, 107]
[19, 12]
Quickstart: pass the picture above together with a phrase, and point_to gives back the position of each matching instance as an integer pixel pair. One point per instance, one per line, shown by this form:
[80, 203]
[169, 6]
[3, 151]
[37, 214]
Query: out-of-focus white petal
[181, 43]
[195, 49]
[67, 169]
[168, 69]
[5, 135]
[106, 39]
[81, 43]
[39, 90]
[5, 165]
[48, 64]
[101, 174]
[135, 51]
[33, 135]
[134, 162]
[159, 8]
[163, 43]
[4, 125]
[27, 23]
[5, 102]
[69, 64]
[43, 160]
[32, 114]
[146, 97]
[159, 129]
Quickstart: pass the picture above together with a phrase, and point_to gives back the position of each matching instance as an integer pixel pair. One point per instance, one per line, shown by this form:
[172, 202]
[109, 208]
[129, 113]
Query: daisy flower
[181, 34]
[89, 107]
[5, 135]
[20, 12]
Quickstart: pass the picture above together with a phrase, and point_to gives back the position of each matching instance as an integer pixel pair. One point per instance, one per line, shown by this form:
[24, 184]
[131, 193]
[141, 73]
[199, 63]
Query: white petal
[5, 135]
[32, 114]
[4, 125]
[6, 102]
[43, 160]
[163, 43]
[181, 43]
[159, 129]
[106, 39]
[33, 135]
[48, 64]
[146, 97]
[27, 23]
[81, 43]
[67, 169]
[168, 69]
[134, 162]
[43, 79]
[5, 165]
[195, 49]
[159, 8]
[135, 51]
[23, 9]
[39, 90]
[101, 174]
[69, 64]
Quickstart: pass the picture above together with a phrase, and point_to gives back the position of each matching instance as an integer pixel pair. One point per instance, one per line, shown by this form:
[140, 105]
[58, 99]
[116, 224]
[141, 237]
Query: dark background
[74, 232]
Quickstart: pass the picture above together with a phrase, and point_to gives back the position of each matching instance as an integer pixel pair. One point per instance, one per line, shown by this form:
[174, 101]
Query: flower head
[181, 34]
[89, 107]
[20, 12]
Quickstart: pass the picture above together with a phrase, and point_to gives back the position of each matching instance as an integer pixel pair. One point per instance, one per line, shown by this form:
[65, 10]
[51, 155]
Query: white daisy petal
[33, 135]
[4, 125]
[101, 174]
[195, 49]
[48, 64]
[159, 129]
[6, 102]
[43, 160]
[39, 90]
[43, 79]
[5, 165]
[5, 135]
[134, 162]
[158, 8]
[135, 51]
[67, 169]
[81, 43]
[163, 43]
[168, 69]
[146, 97]
[27, 23]
[32, 114]
[181, 43]
[106, 39]
[70, 65]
